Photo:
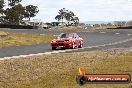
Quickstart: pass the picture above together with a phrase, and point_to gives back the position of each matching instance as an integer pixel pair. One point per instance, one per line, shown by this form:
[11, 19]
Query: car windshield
[65, 36]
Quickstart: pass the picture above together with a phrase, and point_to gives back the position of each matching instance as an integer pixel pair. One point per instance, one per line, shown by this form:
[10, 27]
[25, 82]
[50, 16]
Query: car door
[76, 38]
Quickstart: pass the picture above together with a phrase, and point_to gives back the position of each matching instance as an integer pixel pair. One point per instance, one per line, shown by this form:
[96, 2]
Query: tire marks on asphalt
[103, 32]
[117, 33]
[70, 50]
[63, 51]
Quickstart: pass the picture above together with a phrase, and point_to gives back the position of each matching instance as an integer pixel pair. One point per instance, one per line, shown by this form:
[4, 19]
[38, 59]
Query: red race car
[67, 40]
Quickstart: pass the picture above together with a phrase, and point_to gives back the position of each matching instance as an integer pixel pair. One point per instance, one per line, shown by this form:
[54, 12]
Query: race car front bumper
[61, 45]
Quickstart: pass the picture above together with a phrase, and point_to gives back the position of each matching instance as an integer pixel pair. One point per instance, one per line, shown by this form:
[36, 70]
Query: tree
[75, 20]
[1, 10]
[58, 17]
[69, 16]
[15, 14]
[13, 2]
[31, 11]
[1, 6]
[62, 13]
[120, 23]
[129, 23]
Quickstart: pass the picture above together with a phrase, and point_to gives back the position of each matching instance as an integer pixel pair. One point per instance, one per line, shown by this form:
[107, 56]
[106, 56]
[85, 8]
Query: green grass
[16, 39]
[72, 27]
[93, 28]
[60, 70]
[104, 27]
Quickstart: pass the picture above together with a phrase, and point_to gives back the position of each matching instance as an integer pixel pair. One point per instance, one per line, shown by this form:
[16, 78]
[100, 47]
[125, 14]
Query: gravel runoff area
[60, 70]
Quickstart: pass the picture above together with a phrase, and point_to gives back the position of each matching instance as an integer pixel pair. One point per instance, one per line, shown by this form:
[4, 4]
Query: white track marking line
[5, 58]
[117, 33]
[87, 31]
[61, 51]
[49, 53]
[23, 56]
[102, 32]
[40, 54]
[55, 52]
[68, 50]
[15, 56]
[128, 34]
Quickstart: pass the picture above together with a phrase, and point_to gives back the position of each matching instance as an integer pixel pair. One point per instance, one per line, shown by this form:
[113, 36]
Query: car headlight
[70, 40]
[66, 40]
[53, 41]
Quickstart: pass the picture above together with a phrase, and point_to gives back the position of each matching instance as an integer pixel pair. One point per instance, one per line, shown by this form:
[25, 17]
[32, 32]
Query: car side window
[76, 36]
[70, 35]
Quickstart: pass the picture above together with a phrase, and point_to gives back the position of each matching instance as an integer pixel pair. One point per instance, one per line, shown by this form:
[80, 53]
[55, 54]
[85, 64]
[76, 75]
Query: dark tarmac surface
[91, 39]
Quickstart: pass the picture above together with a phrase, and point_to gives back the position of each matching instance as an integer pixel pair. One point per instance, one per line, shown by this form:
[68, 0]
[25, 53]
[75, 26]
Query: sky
[86, 10]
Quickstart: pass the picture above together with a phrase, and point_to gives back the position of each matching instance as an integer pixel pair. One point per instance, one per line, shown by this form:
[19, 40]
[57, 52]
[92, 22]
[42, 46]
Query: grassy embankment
[60, 70]
[72, 27]
[93, 28]
[16, 39]
[104, 27]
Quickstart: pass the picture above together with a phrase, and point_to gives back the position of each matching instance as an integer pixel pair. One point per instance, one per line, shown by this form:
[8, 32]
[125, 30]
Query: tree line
[68, 16]
[15, 12]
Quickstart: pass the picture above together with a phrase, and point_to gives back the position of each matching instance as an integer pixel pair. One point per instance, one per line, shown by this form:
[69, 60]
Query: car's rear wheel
[81, 45]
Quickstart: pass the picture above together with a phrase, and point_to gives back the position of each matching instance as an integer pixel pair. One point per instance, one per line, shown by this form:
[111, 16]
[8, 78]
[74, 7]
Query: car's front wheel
[73, 45]
[53, 48]
[81, 45]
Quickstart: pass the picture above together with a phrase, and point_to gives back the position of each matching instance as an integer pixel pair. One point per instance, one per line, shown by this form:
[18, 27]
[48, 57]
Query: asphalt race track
[97, 40]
